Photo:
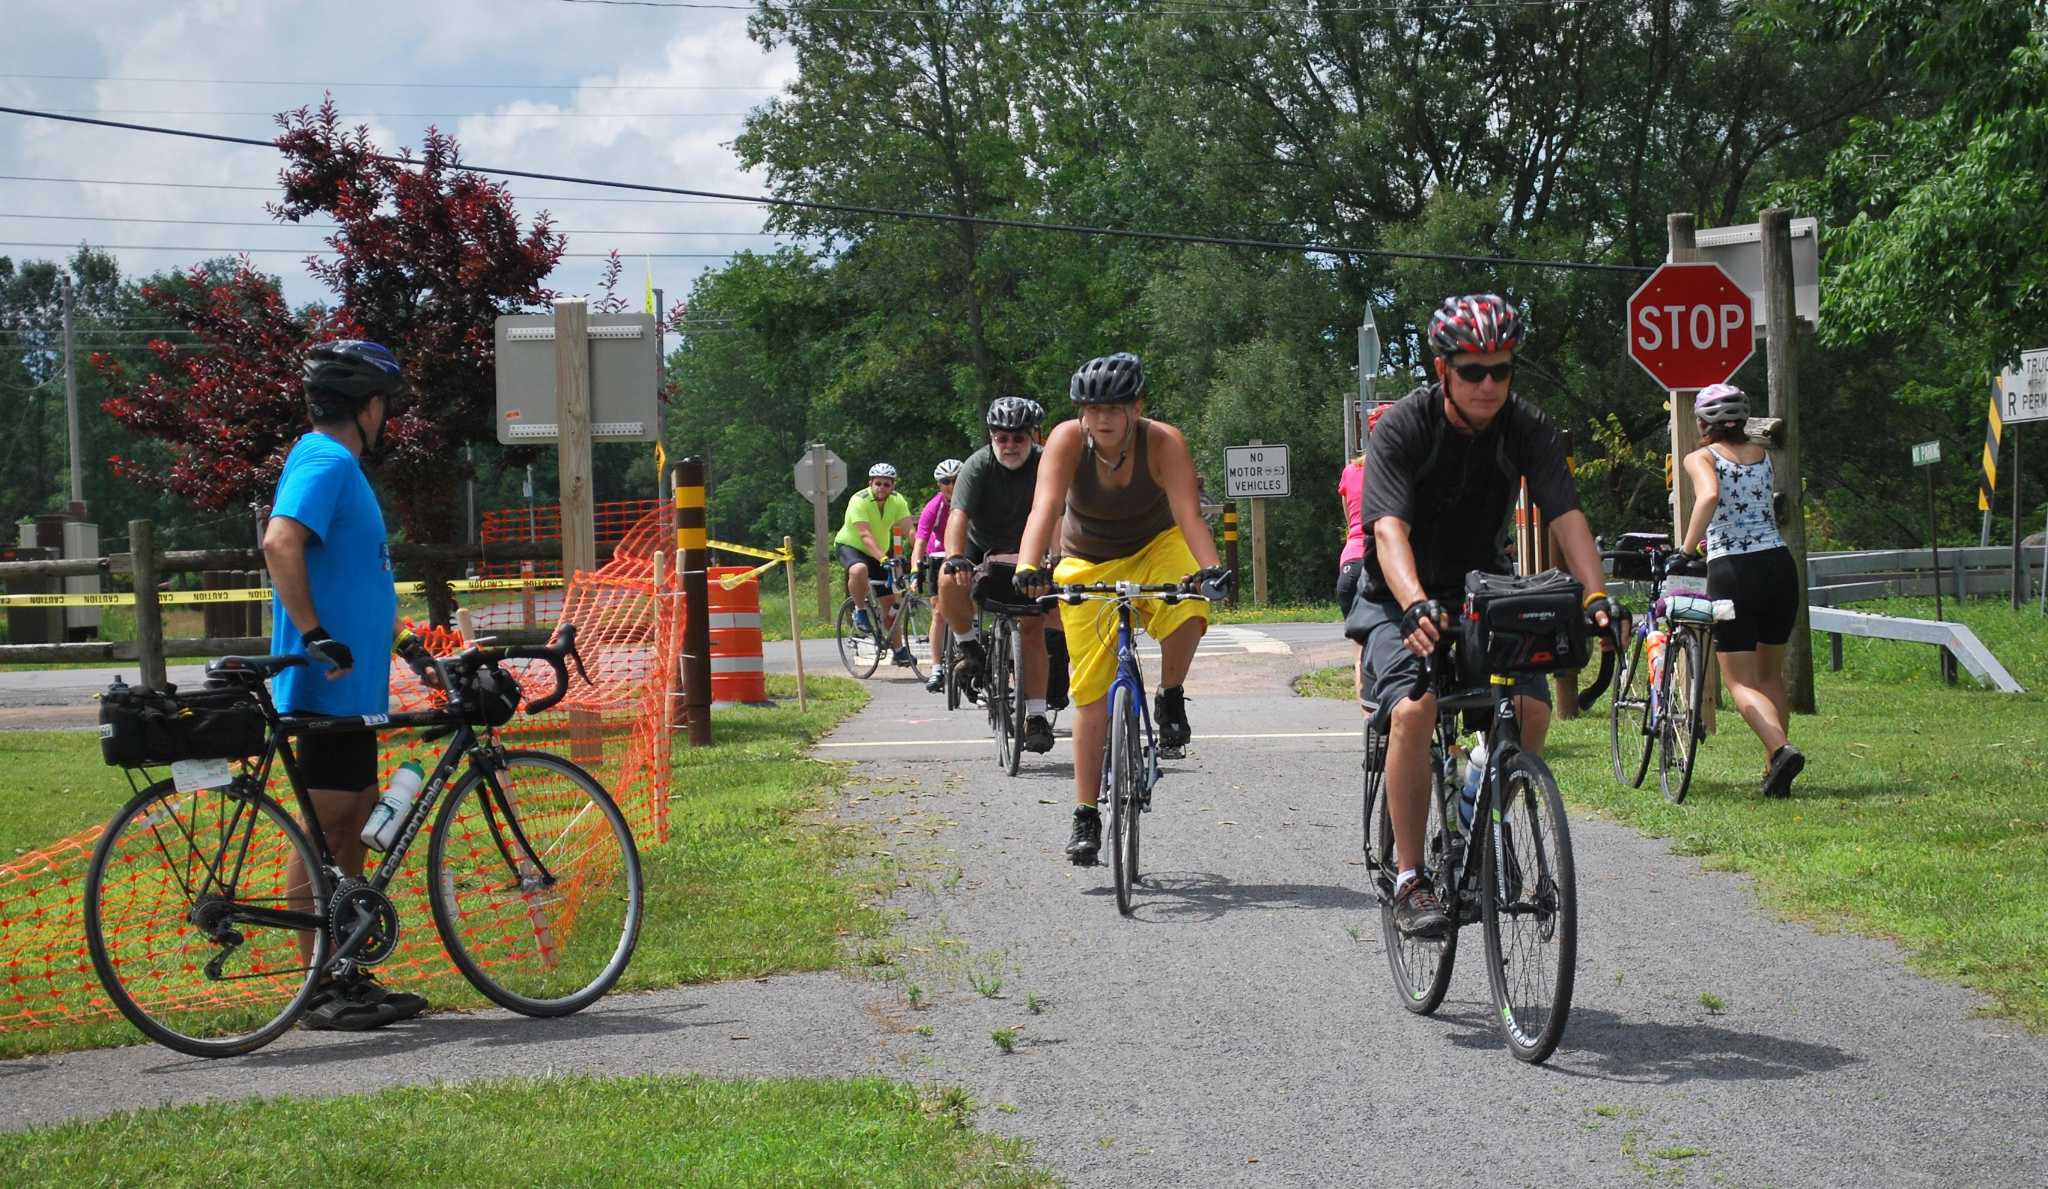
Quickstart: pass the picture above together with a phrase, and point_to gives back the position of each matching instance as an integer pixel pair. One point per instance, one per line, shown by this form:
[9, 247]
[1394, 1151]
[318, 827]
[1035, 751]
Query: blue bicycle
[1130, 750]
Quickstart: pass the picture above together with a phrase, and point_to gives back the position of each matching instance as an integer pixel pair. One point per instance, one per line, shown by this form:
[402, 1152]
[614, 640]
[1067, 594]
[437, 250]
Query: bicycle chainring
[353, 899]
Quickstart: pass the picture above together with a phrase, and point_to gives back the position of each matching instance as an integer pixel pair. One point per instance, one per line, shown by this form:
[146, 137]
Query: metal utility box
[625, 378]
[81, 540]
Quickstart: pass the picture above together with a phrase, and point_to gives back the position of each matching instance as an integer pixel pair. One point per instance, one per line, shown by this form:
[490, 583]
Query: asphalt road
[1234, 1031]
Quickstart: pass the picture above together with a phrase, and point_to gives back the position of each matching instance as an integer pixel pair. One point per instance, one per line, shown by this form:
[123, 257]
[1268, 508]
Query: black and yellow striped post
[693, 562]
[1994, 433]
[1230, 546]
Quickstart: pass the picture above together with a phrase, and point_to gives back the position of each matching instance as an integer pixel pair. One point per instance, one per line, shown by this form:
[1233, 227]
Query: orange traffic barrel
[736, 672]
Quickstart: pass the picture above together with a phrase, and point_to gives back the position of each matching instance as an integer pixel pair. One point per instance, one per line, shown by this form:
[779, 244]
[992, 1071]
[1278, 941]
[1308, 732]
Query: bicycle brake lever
[577, 656]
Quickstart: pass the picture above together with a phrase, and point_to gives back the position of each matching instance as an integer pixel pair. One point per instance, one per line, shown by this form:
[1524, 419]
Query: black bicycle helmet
[342, 376]
[1479, 323]
[1110, 380]
[1015, 412]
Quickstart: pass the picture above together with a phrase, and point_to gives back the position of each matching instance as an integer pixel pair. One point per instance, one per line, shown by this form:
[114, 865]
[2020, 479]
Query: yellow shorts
[1091, 627]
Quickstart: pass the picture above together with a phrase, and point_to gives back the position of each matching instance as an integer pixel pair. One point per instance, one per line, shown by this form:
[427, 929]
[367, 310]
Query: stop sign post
[1690, 325]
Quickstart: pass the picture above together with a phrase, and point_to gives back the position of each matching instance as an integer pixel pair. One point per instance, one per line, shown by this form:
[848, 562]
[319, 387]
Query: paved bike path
[1233, 1031]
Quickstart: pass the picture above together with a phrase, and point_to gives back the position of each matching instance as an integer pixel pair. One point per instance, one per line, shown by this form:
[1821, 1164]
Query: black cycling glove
[1212, 582]
[1419, 610]
[1031, 581]
[413, 653]
[957, 564]
[322, 647]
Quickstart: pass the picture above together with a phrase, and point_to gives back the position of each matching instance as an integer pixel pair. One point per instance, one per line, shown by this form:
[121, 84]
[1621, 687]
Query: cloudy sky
[630, 93]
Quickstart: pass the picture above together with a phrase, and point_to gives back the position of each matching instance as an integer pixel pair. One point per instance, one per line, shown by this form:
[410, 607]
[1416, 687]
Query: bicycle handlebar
[556, 655]
[1075, 593]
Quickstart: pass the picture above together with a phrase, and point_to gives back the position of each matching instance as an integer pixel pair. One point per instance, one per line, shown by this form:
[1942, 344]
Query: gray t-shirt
[997, 501]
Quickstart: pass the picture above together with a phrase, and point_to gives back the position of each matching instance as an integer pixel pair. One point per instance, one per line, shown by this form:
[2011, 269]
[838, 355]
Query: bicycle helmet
[1720, 402]
[1109, 380]
[1015, 412]
[1478, 323]
[341, 376]
[949, 469]
[881, 470]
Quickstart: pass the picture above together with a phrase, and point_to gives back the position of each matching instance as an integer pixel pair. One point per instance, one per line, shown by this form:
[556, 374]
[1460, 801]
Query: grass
[1922, 815]
[754, 879]
[543, 1131]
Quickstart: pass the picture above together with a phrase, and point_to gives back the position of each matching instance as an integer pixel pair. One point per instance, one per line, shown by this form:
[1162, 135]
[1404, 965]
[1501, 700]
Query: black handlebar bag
[1514, 625]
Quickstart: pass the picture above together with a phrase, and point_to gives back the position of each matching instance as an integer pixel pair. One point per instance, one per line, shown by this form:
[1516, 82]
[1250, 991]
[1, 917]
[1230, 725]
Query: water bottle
[1653, 651]
[1475, 771]
[382, 828]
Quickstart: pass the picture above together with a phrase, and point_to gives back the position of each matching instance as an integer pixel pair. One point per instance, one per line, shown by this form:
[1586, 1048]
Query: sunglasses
[1006, 439]
[1473, 373]
[945, 483]
[882, 482]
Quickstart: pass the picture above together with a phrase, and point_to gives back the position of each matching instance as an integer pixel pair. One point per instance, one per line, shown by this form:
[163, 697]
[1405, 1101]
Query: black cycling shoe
[937, 685]
[359, 1004]
[1170, 712]
[1418, 913]
[1786, 764]
[971, 668]
[1087, 840]
[1037, 734]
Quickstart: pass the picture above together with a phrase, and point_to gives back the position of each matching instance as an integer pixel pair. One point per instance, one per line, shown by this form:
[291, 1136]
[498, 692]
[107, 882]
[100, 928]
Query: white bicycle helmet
[1720, 402]
[881, 470]
[948, 469]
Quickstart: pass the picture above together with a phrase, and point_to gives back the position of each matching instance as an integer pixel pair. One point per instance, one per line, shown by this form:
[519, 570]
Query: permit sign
[1255, 472]
[2023, 390]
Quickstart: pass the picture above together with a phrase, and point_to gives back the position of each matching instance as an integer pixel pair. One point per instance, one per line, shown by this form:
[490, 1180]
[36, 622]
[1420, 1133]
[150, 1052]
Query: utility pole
[71, 404]
[1781, 346]
[1685, 433]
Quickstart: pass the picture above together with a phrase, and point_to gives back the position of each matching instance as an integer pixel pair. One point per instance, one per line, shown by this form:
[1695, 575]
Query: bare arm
[284, 552]
[1174, 470]
[956, 533]
[1056, 466]
[1706, 497]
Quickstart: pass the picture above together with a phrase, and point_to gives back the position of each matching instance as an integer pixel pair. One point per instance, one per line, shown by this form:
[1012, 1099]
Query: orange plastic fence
[617, 729]
[617, 520]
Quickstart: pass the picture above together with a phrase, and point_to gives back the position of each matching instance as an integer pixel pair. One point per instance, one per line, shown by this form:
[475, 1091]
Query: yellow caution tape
[250, 594]
[733, 581]
[776, 555]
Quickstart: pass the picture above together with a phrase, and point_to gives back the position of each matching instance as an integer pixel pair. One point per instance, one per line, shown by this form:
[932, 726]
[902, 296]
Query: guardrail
[1836, 578]
[145, 565]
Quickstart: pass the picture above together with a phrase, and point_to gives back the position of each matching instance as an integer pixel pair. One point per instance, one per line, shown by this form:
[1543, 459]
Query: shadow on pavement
[1176, 897]
[491, 1031]
[1600, 1044]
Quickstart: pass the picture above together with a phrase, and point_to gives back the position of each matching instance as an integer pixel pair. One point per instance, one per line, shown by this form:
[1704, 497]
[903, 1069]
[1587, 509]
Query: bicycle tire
[914, 616]
[857, 649]
[997, 691]
[146, 946]
[1137, 799]
[1013, 638]
[1117, 763]
[949, 656]
[1532, 923]
[563, 943]
[1685, 684]
[1421, 966]
[1629, 737]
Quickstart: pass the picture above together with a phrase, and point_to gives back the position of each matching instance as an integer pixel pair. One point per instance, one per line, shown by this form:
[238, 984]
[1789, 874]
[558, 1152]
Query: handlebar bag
[141, 726]
[1517, 625]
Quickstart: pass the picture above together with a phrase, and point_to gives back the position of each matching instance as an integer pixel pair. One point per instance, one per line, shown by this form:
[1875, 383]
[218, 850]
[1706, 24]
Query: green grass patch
[1922, 815]
[755, 878]
[1244, 612]
[547, 1131]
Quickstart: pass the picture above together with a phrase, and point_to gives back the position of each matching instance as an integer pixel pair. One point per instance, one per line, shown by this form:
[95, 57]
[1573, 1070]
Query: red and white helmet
[1479, 323]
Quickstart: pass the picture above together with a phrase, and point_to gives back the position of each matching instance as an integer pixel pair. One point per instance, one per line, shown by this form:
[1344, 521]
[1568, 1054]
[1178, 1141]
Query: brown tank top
[1104, 523]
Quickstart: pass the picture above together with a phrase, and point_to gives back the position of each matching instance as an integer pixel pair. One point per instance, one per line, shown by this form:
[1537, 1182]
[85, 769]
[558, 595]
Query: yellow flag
[650, 288]
[660, 460]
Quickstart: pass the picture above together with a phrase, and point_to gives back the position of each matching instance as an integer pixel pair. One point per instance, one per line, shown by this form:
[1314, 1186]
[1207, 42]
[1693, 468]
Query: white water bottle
[382, 828]
[1475, 770]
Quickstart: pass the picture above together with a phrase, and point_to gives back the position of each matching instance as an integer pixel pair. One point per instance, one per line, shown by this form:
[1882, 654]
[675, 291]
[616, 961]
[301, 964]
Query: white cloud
[533, 127]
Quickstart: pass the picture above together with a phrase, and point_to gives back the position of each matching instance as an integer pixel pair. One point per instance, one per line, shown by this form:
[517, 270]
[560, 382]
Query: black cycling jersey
[1456, 490]
[997, 501]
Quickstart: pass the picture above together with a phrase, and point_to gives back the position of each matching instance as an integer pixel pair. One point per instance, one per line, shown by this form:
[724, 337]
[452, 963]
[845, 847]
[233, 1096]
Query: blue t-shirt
[348, 566]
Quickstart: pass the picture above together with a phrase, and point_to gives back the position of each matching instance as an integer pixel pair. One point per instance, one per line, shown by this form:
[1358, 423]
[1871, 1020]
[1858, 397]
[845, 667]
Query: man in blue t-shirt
[330, 565]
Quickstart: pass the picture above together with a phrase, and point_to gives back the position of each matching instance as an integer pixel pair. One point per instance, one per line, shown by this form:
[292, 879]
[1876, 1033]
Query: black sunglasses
[1473, 373]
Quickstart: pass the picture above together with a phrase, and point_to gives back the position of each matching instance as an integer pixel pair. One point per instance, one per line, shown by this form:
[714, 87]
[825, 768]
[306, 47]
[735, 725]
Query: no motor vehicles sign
[1255, 472]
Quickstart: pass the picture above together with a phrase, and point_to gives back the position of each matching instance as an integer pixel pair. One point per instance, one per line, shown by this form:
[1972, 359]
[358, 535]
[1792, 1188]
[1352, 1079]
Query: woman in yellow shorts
[1132, 513]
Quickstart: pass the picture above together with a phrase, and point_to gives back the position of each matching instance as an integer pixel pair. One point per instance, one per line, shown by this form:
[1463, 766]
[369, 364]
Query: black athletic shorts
[1392, 670]
[1348, 579]
[1764, 586]
[878, 572]
[346, 761]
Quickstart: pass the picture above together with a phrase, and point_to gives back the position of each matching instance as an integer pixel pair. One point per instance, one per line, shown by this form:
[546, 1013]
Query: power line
[259, 82]
[425, 115]
[233, 251]
[332, 226]
[1180, 10]
[16, 177]
[838, 208]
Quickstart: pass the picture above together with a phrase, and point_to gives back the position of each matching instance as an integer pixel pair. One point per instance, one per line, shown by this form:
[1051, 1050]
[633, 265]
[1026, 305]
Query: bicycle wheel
[1628, 718]
[1013, 643]
[857, 649]
[948, 657]
[1684, 682]
[997, 693]
[164, 927]
[1421, 966]
[1136, 795]
[539, 906]
[1530, 899]
[1116, 784]
[915, 616]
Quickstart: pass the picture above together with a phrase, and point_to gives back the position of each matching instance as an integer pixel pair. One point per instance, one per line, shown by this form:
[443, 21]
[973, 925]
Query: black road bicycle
[908, 625]
[212, 916]
[1511, 869]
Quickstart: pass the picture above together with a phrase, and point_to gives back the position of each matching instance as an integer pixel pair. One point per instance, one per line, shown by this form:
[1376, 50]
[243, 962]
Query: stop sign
[1690, 325]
